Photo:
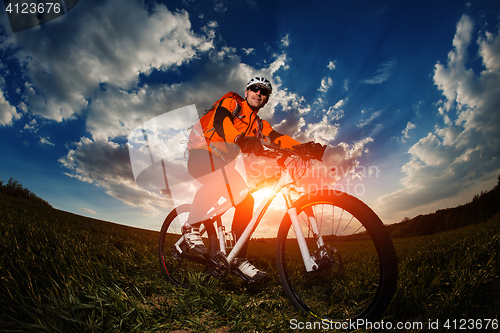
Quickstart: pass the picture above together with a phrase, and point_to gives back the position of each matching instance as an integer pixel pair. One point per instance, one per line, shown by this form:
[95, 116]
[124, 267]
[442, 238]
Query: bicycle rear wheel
[177, 269]
[357, 273]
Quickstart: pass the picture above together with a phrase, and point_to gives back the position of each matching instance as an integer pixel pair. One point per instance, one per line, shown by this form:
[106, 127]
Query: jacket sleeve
[284, 141]
[223, 120]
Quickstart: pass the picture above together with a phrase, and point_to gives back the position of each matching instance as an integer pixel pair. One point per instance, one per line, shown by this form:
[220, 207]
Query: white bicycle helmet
[261, 81]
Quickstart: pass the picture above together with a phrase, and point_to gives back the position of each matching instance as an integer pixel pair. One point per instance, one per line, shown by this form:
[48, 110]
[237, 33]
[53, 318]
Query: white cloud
[322, 132]
[31, 126]
[336, 112]
[346, 85]
[249, 50]
[451, 161]
[331, 65]
[285, 41]
[106, 44]
[326, 83]
[451, 79]
[383, 73]
[278, 63]
[46, 141]
[373, 115]
[344, 158]
[429, 150]
[406, 131]
[291, 103]
[88, 210]
[339, 104]
[8, 113]
[489, 48]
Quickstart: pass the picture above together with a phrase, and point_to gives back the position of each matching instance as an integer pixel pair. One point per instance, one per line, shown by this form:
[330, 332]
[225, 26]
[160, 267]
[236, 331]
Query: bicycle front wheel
[357, 266]
[177, 269]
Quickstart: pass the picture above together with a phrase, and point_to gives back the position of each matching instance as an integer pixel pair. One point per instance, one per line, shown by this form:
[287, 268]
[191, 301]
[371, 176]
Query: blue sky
[409, 87]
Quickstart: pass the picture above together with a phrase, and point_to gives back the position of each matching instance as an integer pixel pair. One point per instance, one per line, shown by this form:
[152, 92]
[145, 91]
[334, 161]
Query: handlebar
[306, 151]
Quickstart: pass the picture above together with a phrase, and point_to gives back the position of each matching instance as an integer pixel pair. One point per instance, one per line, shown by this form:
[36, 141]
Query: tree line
[482, 207]
[15, 189]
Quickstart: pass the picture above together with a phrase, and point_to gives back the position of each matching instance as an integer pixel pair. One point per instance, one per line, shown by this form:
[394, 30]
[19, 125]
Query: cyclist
[233, 126]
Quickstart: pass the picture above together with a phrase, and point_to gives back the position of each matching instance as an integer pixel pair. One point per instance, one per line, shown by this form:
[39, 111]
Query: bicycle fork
[309, 262]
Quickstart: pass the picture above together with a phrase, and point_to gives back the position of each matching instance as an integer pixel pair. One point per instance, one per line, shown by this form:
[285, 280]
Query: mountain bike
[335, 258]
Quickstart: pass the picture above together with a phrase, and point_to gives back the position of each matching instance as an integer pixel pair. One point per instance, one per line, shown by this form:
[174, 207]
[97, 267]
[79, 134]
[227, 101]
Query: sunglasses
[256, 89]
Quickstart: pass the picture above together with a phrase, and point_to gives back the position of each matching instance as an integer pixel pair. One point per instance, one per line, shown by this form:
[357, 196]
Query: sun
[262, 195]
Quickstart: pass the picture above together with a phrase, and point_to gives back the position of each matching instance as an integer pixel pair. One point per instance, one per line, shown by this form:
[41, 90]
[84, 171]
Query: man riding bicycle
[232, 125]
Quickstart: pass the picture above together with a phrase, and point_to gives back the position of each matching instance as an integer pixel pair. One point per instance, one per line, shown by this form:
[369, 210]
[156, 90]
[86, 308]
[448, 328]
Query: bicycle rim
[176, 269]
[358, 268]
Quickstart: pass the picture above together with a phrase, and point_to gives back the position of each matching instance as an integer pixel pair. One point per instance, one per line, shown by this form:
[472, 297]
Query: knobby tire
[357, 279]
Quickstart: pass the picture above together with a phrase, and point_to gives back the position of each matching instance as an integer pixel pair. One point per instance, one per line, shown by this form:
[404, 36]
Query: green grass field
[61, 272]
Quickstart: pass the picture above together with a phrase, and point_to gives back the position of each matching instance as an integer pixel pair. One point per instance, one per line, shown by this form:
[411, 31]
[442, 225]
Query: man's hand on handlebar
[310, 150]
[250, 144]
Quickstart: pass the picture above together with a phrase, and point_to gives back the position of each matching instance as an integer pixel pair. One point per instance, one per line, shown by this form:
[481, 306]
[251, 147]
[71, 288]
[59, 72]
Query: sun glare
[261, 195]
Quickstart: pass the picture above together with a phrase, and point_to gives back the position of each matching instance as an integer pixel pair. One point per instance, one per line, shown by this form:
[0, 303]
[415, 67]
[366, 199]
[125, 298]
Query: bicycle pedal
[242, 276]
[246, 279]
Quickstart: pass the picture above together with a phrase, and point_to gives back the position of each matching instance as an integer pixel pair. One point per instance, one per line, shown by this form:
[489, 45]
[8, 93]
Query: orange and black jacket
[227, 122]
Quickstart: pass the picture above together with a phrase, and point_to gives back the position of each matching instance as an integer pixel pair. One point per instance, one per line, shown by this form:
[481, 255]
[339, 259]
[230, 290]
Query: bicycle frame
[284, 184]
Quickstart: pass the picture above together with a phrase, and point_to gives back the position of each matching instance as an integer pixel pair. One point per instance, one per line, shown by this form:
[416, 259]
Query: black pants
[200, 163]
